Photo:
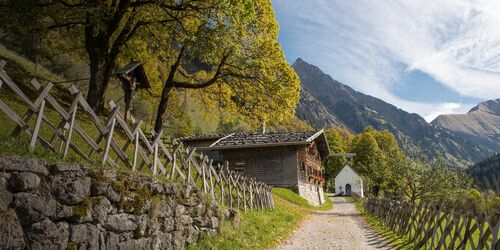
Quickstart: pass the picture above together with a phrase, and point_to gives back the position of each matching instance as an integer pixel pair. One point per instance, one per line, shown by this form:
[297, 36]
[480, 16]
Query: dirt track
[340, 228]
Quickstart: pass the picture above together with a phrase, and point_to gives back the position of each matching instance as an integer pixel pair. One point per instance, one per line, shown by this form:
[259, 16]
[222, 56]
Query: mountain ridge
[481, 125]
[356, 111]
[490, 106]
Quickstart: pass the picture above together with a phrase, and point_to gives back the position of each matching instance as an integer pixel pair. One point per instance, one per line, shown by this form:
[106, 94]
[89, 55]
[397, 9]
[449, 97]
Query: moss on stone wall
[81, 210]
[75, 207]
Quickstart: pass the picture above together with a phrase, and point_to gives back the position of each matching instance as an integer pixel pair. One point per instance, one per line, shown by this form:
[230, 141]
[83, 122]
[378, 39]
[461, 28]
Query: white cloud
[365, 43]
[445, 108]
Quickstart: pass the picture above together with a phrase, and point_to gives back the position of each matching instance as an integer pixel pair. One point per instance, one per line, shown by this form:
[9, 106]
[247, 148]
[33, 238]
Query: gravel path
[340, 228]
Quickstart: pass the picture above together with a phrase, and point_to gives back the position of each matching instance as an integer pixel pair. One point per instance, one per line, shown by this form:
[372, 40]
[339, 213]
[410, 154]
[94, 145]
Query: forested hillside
[486, 173]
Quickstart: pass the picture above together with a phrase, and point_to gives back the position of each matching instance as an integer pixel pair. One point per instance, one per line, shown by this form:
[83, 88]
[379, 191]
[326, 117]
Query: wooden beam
[73, 110]
[109, 139]
[38, 123]
[8, 81]
[346, 155]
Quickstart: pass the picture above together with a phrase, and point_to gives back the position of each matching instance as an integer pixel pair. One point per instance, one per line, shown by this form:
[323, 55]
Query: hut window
[302, 167]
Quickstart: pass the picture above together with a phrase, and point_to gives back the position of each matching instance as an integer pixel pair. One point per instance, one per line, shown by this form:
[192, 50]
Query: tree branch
[62, 2]
[66, 4]
[122, 9]
[63, 25]
[207, 83]
[174, 67]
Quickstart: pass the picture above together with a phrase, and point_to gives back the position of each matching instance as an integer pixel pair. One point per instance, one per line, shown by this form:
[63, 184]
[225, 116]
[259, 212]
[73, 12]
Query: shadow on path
[340, 228]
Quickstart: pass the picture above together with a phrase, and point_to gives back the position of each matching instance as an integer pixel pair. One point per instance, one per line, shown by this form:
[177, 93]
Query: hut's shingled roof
[244, 140]
[266, 138]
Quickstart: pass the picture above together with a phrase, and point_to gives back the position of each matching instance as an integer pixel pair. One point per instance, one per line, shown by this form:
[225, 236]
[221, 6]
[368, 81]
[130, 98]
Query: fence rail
[436, 227]
[121, 145]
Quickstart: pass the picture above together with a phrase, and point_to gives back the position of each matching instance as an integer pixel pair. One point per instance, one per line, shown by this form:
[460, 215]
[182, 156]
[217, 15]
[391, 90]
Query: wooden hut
[280, 159]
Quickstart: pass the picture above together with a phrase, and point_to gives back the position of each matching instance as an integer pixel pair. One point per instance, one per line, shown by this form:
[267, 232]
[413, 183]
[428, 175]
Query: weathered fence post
[136, 149]
[212, 191]
[40, 104]
[38, 123]
[203, 167]
[73, 110]
[111, 128]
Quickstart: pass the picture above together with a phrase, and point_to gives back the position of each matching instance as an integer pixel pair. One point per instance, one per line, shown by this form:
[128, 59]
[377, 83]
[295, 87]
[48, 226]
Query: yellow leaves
[257, 81]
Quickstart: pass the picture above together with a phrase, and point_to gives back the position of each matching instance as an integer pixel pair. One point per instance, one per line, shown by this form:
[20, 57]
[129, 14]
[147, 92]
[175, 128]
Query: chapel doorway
[348, 189]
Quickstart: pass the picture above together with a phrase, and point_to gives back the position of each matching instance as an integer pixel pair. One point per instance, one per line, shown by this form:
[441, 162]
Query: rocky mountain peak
[490, 107]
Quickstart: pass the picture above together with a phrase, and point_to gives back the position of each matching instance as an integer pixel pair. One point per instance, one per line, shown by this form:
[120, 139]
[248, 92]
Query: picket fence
[120, 145]
[435, 227]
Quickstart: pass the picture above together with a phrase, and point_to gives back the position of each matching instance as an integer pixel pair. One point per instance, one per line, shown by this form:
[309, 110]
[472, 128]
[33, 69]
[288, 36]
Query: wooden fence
[118, 144]
[434, 227]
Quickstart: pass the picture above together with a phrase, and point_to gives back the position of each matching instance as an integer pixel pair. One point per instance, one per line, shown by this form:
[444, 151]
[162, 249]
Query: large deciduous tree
[225, 51]
[105, 26]
[231, 54]
[431, 183]
[379, 159]
[338, 143]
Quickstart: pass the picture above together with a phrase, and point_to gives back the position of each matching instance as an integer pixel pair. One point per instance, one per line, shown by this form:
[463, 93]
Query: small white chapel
[347, 182]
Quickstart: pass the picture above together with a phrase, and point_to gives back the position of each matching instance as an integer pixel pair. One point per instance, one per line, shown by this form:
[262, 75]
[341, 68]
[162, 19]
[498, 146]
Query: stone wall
[312, 193]
[64, 206]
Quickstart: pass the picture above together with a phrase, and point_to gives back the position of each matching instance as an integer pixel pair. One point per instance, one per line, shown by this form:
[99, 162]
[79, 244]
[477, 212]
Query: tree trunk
[376, 190]
[102, 62]
[100, 74]
[162, 107]
[413, 198]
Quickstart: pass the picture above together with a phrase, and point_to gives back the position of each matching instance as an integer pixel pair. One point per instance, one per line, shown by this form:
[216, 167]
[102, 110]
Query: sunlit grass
[258, 229]
[292, 197]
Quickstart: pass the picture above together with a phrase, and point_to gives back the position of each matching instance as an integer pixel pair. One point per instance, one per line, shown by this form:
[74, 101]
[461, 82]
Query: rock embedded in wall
[69, 206]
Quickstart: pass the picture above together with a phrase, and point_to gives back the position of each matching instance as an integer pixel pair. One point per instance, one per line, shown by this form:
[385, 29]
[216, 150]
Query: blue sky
[428, 57]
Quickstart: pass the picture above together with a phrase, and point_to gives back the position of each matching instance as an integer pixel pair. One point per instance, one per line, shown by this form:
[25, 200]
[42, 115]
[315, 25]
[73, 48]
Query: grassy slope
[292, 197]
[21, 71]
[27, 65]
[263, 230]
